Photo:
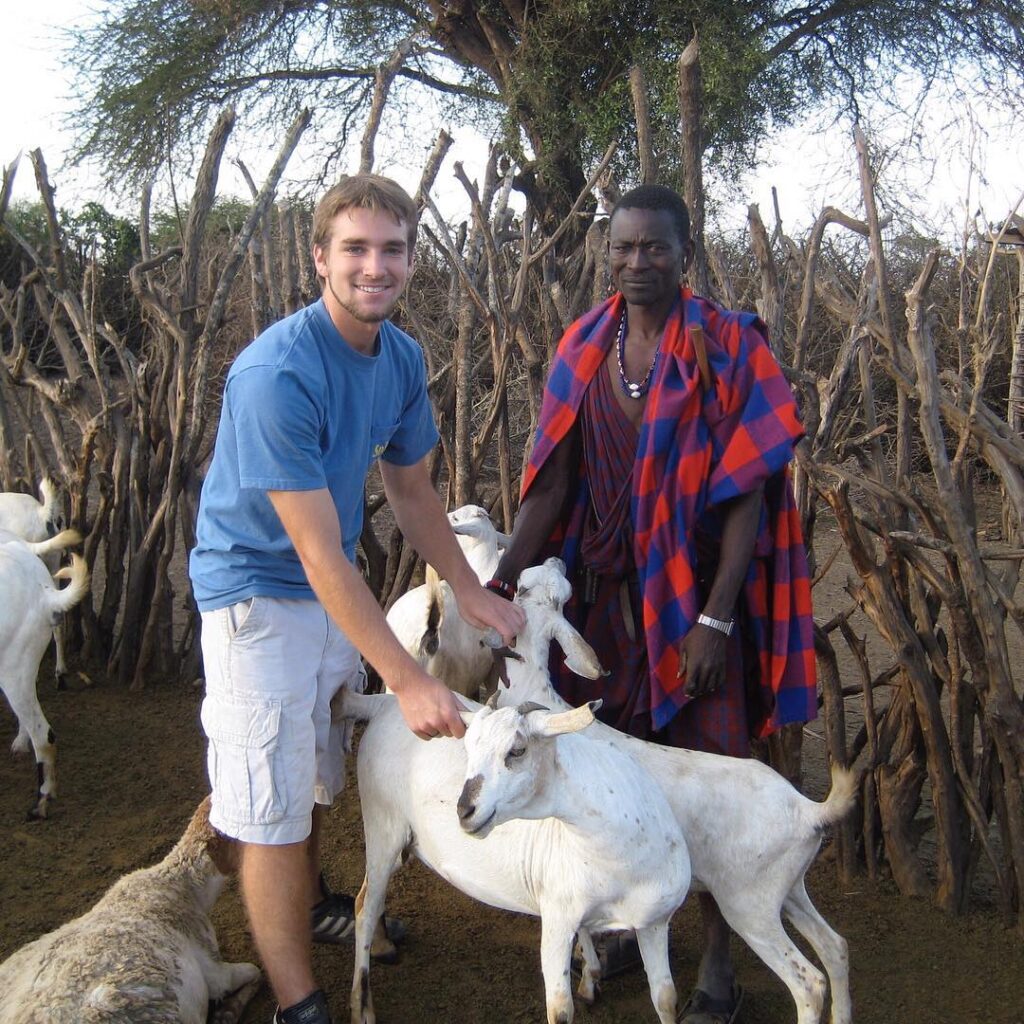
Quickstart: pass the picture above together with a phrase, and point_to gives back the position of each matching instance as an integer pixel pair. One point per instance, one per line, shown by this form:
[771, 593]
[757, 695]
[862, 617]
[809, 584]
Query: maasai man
[659, 473]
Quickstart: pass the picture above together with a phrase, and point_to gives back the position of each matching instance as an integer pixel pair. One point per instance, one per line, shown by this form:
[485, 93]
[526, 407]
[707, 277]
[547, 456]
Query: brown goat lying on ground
[146, 953]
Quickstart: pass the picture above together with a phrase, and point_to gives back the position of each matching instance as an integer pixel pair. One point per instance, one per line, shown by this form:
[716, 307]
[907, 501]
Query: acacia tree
[153, 73]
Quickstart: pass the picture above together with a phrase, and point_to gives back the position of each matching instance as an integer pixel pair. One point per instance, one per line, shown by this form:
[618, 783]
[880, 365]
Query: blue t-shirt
[302, 410]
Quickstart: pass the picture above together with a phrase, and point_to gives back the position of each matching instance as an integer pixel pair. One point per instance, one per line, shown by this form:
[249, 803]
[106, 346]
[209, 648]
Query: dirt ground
[131, 770]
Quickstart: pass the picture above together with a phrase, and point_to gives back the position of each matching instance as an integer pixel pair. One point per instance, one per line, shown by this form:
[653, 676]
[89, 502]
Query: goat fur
[751, 835]
[146, 953]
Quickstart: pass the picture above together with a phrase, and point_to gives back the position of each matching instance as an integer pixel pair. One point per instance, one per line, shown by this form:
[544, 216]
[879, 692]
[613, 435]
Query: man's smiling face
[365, 264]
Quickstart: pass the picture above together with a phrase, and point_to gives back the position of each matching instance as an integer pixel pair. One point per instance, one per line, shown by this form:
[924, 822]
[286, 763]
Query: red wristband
[505, 590]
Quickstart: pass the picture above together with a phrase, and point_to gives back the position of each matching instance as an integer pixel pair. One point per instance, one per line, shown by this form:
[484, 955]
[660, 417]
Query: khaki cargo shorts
[272, 666]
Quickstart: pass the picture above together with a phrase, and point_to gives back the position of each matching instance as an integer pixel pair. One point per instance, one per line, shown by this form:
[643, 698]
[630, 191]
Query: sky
[810, 165]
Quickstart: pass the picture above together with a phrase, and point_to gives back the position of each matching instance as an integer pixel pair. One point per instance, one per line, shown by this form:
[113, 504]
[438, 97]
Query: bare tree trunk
[642, 110]
[691, 110]
[770, 305]
[382, 80]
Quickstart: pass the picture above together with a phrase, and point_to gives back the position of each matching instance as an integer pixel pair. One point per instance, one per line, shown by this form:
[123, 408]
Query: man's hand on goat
[429, 708]
[483, 609]
[702, 660]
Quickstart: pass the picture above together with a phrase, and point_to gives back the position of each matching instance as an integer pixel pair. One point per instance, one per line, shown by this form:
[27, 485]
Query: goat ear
[525, 709]
[560, 722]
[579, 655]
[492, 639]
[467, 716]
[464, 529]
[503, 539]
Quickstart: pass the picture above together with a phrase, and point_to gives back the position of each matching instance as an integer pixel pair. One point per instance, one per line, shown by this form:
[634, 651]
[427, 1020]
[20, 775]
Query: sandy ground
[131, 770]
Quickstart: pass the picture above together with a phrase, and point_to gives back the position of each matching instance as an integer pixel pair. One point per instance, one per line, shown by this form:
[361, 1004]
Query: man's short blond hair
[364, 192]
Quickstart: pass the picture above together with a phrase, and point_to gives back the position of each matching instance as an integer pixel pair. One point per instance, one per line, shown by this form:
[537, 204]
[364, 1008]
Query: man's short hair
[364, 192]
[658, 197]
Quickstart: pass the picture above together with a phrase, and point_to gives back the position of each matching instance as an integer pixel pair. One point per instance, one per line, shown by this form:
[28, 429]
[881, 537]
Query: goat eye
[517, 752]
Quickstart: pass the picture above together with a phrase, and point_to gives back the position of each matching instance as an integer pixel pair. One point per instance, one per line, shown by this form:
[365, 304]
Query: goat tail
[358, 707]
[78, 573]
[431, 639]
[64, 539]
[48, 496]
[840, 799]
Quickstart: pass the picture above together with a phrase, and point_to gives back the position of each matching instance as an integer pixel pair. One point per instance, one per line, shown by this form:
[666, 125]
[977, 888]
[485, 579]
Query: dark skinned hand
[702, 660]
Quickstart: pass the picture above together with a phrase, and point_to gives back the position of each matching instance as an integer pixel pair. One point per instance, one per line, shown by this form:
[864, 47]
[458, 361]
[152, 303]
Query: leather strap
[700, 349]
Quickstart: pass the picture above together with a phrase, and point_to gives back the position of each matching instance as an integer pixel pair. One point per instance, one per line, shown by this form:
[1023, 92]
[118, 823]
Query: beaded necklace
[631, 388]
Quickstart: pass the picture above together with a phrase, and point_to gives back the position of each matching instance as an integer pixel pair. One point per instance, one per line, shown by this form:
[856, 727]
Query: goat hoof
[41, 810]
[385, 953]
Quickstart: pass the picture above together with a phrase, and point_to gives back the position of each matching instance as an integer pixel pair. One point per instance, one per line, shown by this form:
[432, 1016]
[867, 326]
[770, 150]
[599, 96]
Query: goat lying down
[751, 835]
[146, 953]
[526, 814]
[426, 619]
[30, 607]
[33, 521]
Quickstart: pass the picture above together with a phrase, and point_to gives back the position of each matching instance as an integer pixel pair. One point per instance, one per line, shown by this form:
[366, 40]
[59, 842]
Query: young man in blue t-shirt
[308, 407]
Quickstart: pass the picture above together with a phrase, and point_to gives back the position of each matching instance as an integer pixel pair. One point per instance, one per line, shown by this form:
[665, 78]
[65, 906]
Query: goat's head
[508, 764]
[201, 838]
[542, 593]
[473, 521]
[55, 521]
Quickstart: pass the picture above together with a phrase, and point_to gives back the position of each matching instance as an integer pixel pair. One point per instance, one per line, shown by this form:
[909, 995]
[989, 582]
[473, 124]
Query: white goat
[602, 848]
[426, 619]
[31, 520]
[30, 604]
[146, 952]
[28, 518]
[751, 836]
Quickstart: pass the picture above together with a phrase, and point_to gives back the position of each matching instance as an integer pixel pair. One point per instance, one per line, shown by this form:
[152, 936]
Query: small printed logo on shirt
[378, 450]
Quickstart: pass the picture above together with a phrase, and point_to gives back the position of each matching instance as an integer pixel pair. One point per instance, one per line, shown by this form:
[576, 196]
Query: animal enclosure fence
[903, 419]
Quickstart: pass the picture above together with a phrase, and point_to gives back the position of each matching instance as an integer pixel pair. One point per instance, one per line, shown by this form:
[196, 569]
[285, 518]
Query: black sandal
[700, 1008]
[333, 920]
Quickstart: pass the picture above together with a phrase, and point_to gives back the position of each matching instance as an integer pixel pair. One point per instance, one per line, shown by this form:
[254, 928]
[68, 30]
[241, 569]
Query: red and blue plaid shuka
[696, 450]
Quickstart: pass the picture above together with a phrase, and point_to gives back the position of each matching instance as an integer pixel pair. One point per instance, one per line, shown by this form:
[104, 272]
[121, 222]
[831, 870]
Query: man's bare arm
[420, 517]
[702, 651]
[311, 522]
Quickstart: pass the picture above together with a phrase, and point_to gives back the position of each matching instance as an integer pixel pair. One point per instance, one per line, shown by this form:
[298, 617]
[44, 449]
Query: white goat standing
[606, 852]
[146, 953]
[30, 605]
[31, 520]
[426, 619]
[751, 835]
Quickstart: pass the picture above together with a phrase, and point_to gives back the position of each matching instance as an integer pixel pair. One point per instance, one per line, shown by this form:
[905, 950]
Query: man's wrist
[725, 626]
[405, 676]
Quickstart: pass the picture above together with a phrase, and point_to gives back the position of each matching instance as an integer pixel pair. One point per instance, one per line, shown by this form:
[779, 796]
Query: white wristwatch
[722, 627]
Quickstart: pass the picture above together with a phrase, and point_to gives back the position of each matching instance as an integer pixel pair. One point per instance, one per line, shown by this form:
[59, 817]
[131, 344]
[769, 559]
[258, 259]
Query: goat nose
[467, 798]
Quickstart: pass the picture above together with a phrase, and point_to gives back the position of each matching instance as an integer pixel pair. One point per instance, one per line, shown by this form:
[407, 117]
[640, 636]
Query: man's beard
[357, 314]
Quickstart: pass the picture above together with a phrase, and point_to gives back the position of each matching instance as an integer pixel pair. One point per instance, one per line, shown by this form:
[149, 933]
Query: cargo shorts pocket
[243, 759]
[243, 621]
